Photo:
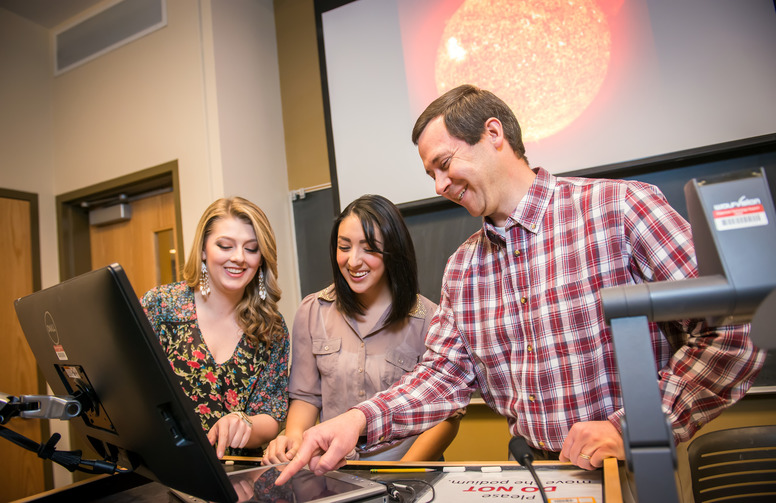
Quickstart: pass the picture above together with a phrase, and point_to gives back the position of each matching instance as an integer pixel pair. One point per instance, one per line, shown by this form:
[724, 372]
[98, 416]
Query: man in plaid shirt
[520, 318]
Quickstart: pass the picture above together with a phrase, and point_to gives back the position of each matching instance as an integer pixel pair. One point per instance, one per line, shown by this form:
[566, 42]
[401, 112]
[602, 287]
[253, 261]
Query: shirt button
[517, 253]
[381, 439]
[541, 444]
[531, 398]
[325, 348]
[361, 393]
[533, 226]
[530, 348]
[523, 300]
[360, 370]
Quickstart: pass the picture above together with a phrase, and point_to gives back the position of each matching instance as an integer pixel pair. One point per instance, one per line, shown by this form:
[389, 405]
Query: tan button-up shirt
[334, 367]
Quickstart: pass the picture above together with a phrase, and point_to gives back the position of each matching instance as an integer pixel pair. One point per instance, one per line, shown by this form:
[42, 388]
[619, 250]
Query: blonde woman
[222, 331]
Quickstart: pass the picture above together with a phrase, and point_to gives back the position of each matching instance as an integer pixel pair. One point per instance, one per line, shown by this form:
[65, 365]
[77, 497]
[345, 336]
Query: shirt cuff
[377, 423]
[616, 419]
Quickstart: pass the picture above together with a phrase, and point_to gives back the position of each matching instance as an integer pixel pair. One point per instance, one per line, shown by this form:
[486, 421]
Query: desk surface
[120, 488]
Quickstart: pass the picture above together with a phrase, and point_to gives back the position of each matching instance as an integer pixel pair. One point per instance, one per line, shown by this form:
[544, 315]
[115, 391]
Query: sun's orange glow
[546, 58]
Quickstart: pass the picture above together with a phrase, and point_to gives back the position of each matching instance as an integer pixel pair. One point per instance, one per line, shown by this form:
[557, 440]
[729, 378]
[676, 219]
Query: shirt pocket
[397, 363]
[326, 352]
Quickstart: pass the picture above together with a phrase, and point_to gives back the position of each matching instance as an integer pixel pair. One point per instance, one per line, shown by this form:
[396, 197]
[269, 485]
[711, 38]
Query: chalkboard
[437, 230]
[313, 218]
[438, 226]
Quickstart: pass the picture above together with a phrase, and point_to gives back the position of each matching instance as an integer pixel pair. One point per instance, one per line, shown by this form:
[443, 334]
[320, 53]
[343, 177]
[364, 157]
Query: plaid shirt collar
[530, 211]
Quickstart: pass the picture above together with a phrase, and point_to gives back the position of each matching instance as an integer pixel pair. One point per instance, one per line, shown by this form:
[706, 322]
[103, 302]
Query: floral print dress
[253, 380]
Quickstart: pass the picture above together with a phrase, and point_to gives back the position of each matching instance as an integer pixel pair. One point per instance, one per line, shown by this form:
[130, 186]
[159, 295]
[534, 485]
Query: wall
[151, 101]
[303, 121]
[139, 106]
[160, 98]
[250, 124]
[26, 142]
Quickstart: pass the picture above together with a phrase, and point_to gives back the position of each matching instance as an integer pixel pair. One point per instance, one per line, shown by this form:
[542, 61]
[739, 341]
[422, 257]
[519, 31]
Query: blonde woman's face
[232, 255]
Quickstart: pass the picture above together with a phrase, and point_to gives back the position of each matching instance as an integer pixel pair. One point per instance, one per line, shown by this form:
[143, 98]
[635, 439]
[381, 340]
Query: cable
[71, 460]
[393, 493]
[397, 487]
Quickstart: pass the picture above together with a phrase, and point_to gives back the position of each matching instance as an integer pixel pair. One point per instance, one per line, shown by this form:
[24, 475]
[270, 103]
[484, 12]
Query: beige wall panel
[300, 80]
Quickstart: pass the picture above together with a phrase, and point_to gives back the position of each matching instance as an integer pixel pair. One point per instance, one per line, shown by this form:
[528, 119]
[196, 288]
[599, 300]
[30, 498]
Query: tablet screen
[258, 484]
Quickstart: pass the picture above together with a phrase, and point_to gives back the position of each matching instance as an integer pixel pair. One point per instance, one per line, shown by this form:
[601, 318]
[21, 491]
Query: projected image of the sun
[546, 58]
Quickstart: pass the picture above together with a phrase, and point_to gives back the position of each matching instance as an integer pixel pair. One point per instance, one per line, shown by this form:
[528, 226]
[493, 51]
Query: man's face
[462, 173]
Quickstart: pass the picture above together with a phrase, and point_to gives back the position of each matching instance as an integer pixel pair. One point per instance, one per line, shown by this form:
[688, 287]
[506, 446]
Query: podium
[509, 474]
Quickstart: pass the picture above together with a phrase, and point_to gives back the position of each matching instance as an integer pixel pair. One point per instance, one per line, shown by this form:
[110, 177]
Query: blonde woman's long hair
[259, 319]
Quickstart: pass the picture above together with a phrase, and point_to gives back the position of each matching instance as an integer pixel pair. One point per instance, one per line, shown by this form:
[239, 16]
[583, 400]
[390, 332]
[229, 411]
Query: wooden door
[21, 471]
[145, 245]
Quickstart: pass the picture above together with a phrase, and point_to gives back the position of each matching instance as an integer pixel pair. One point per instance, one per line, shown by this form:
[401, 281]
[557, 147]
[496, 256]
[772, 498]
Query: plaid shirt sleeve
[702, 370]
[439, 387]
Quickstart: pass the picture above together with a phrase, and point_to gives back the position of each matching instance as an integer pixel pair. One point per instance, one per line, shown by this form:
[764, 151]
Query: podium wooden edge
[612, 488]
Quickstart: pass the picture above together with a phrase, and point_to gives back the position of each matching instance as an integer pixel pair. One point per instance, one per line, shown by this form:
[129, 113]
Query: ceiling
[47, 13]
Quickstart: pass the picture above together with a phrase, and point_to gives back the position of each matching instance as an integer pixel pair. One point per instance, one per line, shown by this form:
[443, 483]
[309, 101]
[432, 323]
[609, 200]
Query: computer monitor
[90, 335]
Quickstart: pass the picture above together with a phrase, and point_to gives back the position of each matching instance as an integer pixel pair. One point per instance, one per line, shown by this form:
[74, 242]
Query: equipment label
[739, 214]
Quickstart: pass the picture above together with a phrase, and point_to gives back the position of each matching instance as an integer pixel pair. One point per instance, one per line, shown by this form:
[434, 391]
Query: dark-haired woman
[362, 333]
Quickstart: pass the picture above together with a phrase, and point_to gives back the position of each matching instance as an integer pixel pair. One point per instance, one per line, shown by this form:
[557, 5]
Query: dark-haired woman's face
[362, 267]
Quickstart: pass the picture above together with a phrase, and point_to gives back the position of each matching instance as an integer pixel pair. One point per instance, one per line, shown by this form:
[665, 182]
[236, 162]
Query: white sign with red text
[517, 484]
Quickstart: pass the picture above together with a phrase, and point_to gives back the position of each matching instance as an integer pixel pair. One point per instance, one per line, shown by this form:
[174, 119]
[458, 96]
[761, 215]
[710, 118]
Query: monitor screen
[90, 334]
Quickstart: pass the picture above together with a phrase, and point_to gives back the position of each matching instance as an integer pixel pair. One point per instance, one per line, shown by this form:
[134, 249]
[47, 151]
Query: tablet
[258, 484]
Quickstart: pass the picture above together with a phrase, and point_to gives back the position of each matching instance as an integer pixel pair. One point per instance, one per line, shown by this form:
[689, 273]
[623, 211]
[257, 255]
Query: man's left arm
[701, 370]
[711, 371]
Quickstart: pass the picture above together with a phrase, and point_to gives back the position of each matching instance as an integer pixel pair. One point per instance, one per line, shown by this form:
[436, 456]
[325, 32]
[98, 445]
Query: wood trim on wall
[35, 261]
[73, 219]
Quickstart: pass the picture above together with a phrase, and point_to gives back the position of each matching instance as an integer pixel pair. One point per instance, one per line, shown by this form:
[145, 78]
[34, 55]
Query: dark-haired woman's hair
[377, 212]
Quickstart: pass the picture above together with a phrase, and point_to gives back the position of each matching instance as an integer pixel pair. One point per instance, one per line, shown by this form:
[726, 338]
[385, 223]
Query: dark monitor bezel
[93, 329]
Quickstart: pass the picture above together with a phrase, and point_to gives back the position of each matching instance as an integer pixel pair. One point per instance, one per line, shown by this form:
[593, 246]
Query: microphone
[519, 450]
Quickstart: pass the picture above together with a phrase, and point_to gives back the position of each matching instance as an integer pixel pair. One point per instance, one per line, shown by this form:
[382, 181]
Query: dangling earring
[204, 281]
[262, 289]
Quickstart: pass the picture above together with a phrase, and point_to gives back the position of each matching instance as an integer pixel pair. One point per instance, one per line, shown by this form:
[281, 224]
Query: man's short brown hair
[465, 110]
